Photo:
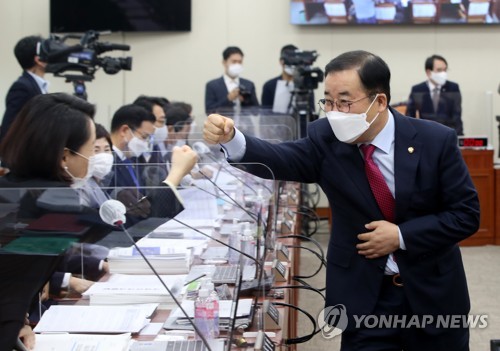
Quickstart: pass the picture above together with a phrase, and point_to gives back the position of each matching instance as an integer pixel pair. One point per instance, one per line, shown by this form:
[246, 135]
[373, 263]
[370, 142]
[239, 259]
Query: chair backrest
[385, 12]
[423, 11]
[336, 11]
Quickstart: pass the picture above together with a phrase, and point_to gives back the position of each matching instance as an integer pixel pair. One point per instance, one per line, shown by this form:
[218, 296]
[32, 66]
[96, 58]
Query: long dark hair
[45, 126]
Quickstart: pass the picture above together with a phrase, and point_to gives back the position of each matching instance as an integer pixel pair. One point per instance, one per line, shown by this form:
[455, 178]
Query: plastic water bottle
[234, 241]
[201, 315]
[206, 312]
[248, 243]
[212, 305]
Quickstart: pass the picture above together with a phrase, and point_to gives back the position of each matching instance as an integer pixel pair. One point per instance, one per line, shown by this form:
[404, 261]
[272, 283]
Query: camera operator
[277, 92]
[293, 91]
[29, 84]
[230, 91]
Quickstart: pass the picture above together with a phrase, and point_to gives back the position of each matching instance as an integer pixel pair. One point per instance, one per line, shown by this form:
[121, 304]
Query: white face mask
[290, 70]
[80, 182]
[348, 127]
[439, 77]
[103, 162]
[160, 134]
[234, 70]
[137, 146]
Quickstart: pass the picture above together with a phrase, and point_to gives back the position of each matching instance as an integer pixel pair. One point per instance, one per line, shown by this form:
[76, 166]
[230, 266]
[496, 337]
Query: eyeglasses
[326, 105]
[143, 136]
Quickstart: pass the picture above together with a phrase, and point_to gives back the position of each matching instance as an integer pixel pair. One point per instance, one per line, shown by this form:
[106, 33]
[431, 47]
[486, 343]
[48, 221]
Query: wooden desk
[497, 204]
[480, 164]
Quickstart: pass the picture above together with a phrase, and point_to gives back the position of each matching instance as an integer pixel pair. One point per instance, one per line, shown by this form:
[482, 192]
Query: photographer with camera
[293, 91]
[280, 87]
[29, 84]
[230, 91]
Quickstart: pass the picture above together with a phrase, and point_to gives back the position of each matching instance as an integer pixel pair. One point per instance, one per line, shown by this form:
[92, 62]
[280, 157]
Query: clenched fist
[218, 129]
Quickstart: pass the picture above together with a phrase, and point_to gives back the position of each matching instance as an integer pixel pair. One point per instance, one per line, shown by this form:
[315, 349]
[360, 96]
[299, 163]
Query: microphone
[257, 263]
[103, 47]
[201, 148]
[113, 212]
[252, 215]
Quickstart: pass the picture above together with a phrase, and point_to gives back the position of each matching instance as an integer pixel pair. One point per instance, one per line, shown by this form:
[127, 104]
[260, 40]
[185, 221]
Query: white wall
[177, 65]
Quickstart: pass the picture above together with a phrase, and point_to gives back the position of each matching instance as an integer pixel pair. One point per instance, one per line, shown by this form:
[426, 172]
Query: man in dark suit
[437, 99]
[393, 250]
[29, 84]
[230, 91]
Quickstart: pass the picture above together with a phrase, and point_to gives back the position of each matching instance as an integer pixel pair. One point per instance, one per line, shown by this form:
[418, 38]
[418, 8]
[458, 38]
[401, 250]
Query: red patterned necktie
[379, 187]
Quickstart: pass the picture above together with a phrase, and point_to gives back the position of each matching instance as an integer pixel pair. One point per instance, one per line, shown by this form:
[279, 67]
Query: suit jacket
[268, 91]
[162, 200]
[449, 110]
[216, 95]
[21, 91]
[436, 207]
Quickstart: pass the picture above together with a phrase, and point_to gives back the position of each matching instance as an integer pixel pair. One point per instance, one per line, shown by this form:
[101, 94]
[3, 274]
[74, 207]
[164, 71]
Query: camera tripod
[302, 107]
[79, 88]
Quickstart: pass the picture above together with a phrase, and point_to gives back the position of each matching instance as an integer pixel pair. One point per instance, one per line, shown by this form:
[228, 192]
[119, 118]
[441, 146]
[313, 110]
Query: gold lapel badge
[411, 149]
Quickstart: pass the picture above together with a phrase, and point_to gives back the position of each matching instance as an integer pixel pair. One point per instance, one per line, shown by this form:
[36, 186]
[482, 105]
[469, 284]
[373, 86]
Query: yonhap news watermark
[333, 320]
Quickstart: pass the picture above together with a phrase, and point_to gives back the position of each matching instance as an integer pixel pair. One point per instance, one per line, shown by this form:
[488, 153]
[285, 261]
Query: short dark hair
[102, 132]
[287, 48]
[231, 50]
[26, 50]
[131, 115]
[177, 116]
[149, 101]
[373, 72]
[187, 107]
[45, 126]
[429, 62]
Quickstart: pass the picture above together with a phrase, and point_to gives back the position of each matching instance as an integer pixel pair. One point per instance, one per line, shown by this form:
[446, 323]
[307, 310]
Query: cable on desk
[300, 339]
[321, 259]
[304, 237]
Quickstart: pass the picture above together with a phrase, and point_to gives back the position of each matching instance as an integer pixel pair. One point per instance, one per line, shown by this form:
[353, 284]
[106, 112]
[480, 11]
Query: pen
[191, 281]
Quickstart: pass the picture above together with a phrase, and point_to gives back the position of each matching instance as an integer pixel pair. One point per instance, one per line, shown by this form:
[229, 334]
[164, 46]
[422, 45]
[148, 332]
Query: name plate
[473, 142]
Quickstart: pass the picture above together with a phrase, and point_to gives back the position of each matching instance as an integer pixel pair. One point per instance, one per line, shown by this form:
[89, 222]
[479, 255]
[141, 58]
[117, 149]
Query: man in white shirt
[230, 91]
[437, 99]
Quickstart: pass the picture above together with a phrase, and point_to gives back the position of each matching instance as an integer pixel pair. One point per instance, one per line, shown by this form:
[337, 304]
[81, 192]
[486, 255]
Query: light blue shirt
[42, 83]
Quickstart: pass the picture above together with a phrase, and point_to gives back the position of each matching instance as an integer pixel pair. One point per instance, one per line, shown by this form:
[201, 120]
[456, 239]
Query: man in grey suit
[230, 90]
[401, 200]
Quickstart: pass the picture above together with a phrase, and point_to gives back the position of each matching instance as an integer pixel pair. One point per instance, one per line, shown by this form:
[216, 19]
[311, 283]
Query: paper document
[87, 342]
[93, 319]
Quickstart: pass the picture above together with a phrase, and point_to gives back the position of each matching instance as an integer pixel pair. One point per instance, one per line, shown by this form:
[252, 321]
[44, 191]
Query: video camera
[82, 57]
[306, 77]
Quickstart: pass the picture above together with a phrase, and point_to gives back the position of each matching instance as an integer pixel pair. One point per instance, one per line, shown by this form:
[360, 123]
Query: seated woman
[50, 146]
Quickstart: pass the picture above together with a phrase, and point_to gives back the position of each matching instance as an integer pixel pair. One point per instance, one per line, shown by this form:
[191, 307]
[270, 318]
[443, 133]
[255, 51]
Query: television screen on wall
[394, 12]
[119, 15]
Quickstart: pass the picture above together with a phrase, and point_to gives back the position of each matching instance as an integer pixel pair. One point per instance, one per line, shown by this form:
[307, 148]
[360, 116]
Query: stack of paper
[165, 260]
[135, 289]
[65, 342]
[95, 319]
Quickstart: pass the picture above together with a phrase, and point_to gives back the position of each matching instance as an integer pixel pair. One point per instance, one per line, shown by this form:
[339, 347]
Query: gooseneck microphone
[112, 212]
[219, 241]
[203, 149]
